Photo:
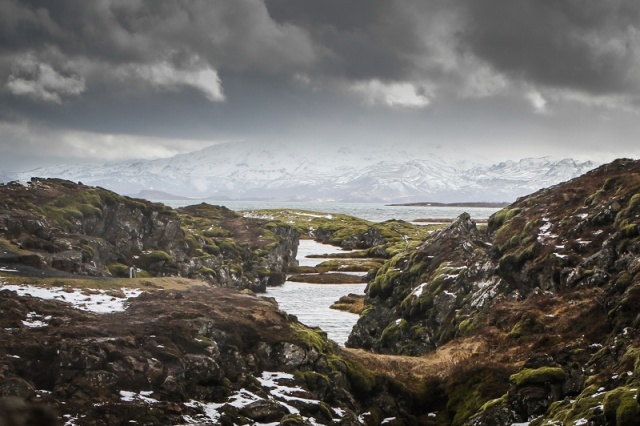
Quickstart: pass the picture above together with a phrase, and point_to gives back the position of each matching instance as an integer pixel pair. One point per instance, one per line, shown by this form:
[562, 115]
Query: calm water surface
[310, 302]
[374, 212]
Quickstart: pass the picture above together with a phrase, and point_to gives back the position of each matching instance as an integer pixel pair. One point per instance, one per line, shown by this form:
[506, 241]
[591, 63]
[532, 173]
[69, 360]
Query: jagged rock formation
[196, 356]
[550, 286]
[73, 228]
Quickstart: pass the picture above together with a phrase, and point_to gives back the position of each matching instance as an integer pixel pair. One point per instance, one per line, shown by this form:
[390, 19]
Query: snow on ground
[35, 321]
[274, 383]
[143, 396]
[100, 302]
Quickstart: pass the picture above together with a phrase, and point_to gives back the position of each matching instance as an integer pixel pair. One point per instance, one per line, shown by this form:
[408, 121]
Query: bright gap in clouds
[65, 146]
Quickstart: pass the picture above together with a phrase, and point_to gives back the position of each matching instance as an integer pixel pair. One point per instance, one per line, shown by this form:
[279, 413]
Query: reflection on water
[310, 303]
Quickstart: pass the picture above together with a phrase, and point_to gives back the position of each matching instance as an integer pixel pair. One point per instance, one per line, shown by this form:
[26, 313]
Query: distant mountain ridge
[249, 170]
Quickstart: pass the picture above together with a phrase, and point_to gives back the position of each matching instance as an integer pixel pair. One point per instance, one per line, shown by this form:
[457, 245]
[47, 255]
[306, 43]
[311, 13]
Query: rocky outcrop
[68, 227]
[198, 356]
[419, 299]
[550, 286]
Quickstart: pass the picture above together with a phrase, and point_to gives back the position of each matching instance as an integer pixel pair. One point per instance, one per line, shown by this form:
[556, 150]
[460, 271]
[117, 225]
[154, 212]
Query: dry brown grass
[147, 284]
[412, 371]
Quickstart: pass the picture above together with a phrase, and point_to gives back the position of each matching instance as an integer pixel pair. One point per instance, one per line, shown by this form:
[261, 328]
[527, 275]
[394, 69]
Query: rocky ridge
[196, 355]
[549, 287]
[76, 229]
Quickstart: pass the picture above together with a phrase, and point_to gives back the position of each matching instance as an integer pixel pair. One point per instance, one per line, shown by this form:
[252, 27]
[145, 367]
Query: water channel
[311, 302]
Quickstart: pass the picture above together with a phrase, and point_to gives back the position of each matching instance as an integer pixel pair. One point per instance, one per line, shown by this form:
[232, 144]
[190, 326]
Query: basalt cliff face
[57, 225]
[548, 293]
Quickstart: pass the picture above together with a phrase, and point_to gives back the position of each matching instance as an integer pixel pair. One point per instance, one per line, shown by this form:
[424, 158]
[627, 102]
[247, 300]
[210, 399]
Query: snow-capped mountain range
[250, 170]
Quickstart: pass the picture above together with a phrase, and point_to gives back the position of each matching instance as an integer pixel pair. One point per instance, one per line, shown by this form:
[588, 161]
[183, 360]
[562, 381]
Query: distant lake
[375, 212]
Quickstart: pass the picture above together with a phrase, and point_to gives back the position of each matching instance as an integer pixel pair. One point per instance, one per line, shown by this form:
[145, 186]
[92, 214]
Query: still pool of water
[311, 302]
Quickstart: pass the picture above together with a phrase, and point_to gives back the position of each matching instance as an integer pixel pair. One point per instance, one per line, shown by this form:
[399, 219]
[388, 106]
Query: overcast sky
[117, 79]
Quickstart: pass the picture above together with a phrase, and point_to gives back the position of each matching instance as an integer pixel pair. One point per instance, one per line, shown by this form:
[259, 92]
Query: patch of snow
[339, 412]
[560, 256]
[418, 290]
[387, 420]
[583, 215]
[143, 396]
[269, 381]
[33, 320]
[99, 303]
[486, 291]
[580, 422]
[70, 420]
[4, 269]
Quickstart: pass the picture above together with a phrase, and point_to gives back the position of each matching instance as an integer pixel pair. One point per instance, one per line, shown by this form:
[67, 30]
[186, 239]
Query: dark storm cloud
[591, 45]
[234, 69]
[375, 41]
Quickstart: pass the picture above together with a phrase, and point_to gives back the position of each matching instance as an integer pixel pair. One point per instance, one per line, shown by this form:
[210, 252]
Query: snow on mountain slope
[247, 170]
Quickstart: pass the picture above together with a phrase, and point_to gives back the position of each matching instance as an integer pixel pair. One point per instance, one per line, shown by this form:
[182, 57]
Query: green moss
[313, 380]
[494, 403]
[530, 323]
[622, 218]
[156, 256]
[89, 210]
[217, 232]
[466, 326]
[309, 338]
[502, 217]
[212, 249]
[538, 376]
[517, 259]
[382, 284]
[118, 270]
[206, 271]
[6, 246]
[630, 231]
[594, 198]
[393, 331]
[631, 358]
[621, 407]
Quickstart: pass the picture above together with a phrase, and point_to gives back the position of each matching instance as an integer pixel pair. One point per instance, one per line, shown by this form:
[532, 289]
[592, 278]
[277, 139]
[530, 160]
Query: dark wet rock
[16, 387]
[264, 411]
[18, 412]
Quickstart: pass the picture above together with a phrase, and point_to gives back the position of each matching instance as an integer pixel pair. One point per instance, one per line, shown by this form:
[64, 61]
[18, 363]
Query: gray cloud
[404, 70]
[589, 46]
